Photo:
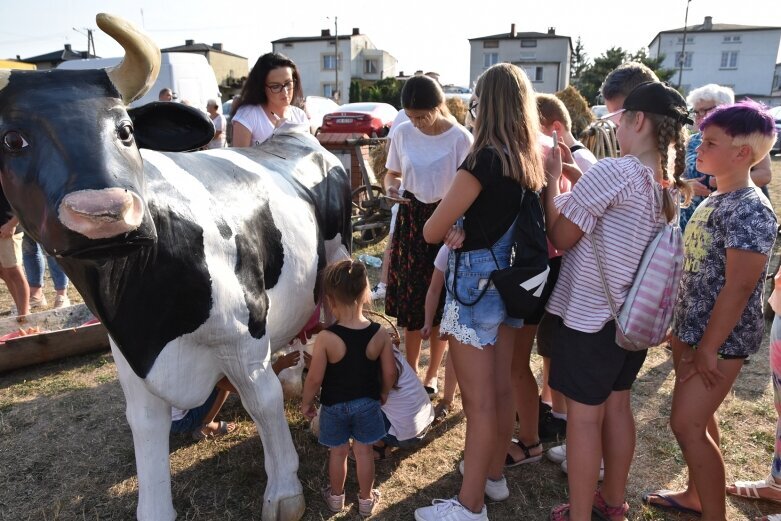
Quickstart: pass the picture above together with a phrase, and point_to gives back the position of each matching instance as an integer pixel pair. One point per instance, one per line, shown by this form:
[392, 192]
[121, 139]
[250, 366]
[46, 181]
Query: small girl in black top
[354, 369]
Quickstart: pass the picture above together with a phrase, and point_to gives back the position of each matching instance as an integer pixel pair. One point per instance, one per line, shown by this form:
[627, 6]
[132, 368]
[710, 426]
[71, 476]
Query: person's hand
[698, 188]
[276, 120]
[553, 164]
[425, 331]
[393, 191]
[454, 238]
[289, 360]
[309, 411]
[703, 363]
[7, 230]
[713, 183]
[307, 359]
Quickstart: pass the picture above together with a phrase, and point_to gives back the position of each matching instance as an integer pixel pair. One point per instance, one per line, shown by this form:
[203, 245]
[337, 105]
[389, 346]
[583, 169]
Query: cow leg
[261, 395]
[150, 421]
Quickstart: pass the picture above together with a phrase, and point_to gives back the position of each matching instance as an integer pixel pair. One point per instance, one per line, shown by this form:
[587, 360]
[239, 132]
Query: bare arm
[314, 378]
[388, 367]
[432, 301]
[761, 173]
[457, 200]
[562, 232]
[242, 137]
[743, 270]
[392, 182]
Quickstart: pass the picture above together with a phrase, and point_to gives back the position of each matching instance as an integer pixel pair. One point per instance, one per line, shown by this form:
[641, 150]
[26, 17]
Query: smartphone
[555, 138]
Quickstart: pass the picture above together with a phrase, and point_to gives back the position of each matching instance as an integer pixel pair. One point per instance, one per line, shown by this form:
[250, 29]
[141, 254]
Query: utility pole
[683, 45]
[336, 58]
[90, 41]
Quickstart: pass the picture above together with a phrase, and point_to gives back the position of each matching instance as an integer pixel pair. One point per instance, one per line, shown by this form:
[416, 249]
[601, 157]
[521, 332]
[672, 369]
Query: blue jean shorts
[360, 419]
[476, 324]
[194, 417]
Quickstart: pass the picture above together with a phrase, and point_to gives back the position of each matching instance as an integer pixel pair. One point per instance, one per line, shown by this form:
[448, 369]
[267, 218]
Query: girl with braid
[620, 204]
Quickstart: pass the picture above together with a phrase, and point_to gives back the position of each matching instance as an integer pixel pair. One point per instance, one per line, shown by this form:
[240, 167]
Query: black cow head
[69, 159]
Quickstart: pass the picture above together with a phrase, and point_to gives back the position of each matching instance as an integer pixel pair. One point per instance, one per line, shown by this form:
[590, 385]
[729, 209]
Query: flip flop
[669, 502]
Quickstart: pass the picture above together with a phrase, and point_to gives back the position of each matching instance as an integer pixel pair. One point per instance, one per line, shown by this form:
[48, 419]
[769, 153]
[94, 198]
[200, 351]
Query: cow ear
[170, 127]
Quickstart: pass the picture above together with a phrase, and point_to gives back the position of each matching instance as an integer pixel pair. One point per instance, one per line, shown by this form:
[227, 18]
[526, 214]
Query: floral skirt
[411, 266]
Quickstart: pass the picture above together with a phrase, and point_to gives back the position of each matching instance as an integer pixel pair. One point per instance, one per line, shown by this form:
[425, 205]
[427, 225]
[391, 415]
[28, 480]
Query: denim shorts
[476, 324]
[194, 418]
[360, 419]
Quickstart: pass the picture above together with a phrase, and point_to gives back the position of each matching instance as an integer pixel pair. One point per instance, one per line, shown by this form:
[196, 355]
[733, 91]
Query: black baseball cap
[657, 98]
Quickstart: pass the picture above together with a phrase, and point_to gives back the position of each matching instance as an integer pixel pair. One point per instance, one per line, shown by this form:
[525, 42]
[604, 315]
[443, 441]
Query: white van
[189, 75]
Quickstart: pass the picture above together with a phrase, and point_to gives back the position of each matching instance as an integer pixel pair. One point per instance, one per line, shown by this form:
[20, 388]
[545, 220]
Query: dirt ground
[67, 454]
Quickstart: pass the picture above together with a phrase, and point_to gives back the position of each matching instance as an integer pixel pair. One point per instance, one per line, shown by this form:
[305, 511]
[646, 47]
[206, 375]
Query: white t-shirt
[583, 158]
[440, 262]
[254, 118]
[408, 408]
[401, 117]
[219, 125]
[428, 164]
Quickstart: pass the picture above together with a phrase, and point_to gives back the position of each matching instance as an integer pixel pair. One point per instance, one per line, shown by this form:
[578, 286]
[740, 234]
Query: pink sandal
[605, 511]
[560, 513]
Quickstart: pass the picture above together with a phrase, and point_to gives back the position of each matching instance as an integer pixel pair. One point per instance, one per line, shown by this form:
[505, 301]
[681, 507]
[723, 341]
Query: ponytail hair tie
[665, 183]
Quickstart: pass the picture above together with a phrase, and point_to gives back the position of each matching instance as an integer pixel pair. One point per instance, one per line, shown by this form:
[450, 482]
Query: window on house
[490, 58]
[729, 59]
[329, 62]
[689, 39]
[684, 59]
[490, 44]
[528, 43]
[370, 67]
[732, 39]
[777, 82]
[328, 90]
[534, 73]
[288, 45]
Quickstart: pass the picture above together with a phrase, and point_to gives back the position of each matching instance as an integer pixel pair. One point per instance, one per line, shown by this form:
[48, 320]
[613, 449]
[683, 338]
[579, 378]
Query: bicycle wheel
[371, 223]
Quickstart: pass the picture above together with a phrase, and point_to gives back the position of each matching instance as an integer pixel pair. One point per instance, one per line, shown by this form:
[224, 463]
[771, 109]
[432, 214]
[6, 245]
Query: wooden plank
[44, 347]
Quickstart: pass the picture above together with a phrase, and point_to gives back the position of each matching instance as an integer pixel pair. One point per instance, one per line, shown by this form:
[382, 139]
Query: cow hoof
[287, 509]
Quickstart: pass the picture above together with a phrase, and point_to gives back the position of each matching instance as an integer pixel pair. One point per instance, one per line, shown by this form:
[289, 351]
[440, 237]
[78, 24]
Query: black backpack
[521, 284]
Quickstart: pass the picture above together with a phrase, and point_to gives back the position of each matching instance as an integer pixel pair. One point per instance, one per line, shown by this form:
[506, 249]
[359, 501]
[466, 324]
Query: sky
[424, 35]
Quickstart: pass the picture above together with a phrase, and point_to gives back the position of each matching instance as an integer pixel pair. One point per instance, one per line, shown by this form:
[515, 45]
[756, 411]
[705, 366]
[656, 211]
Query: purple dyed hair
[741, 119]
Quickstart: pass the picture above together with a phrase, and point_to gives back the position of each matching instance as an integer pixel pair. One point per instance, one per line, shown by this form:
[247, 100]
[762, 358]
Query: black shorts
[587, 367]
[553, 276]
[545, 330]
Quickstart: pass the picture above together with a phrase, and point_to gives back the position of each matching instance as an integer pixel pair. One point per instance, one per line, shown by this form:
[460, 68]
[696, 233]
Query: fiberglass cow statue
[200, 264]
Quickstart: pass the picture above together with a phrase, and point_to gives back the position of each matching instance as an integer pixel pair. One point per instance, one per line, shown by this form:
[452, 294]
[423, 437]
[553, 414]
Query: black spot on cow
[259, 259]
[153, 295]
[224, 228]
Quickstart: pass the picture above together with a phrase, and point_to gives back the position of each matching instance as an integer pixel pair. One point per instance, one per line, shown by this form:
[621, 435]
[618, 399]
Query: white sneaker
[61, 301]
[557, 454]
[449, 510]
[601, 469]
[38, 302]
[378, 291]
[496, 490]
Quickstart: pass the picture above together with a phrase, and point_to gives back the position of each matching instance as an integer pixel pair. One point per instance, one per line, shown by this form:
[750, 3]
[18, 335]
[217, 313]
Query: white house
[545, 57]
[742, 57]
[314, 57]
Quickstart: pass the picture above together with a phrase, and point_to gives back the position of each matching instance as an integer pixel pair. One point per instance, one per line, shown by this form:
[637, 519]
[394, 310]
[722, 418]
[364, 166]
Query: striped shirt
[614, 201]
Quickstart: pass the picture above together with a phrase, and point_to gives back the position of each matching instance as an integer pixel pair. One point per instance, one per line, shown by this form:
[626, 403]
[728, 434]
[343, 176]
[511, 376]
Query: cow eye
[125, 132]
[14, 141]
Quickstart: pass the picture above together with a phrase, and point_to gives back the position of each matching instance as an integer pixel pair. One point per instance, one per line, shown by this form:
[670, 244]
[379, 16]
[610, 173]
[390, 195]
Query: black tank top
[354, 376]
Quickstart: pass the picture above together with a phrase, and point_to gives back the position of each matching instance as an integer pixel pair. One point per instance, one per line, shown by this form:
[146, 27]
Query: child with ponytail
[620, 204]
[354, 369]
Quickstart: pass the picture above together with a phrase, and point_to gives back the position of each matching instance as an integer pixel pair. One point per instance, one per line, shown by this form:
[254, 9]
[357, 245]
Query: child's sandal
[605, 511]
[560, 513]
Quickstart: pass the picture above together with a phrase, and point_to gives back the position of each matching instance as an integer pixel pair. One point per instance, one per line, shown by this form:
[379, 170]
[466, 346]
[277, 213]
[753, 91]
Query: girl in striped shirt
[620, 205]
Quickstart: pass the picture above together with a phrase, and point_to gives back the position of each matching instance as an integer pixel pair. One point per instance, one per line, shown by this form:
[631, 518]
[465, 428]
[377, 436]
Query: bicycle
[371, 208]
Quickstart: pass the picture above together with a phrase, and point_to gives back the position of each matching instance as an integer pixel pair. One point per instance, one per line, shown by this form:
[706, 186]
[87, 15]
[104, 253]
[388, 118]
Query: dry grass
[67, 452]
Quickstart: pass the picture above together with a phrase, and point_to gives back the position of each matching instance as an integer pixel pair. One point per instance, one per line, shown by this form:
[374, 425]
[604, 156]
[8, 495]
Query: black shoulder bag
[522, 283]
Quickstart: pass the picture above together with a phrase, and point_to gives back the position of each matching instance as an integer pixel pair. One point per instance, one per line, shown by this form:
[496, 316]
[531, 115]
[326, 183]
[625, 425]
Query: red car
[372, 119]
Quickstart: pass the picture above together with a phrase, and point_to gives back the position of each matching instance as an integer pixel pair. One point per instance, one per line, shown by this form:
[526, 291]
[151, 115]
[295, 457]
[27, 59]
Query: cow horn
[138, 70]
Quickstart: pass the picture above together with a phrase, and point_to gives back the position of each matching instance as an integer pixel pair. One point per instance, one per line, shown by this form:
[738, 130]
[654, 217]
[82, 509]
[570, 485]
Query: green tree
[578, 63]
[355, 91]
[594, 74]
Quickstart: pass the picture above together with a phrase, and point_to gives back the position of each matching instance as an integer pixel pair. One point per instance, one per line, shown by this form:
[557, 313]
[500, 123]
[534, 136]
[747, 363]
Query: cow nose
[101, 214]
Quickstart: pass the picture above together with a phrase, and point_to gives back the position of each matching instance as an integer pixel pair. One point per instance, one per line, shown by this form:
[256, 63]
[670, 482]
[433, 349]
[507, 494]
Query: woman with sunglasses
[272, 94]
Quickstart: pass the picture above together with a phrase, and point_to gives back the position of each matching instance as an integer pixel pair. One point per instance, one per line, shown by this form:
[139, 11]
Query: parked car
[776, 113]
[316, 107]
[454, 91]
[372, 119]
[599, 110]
